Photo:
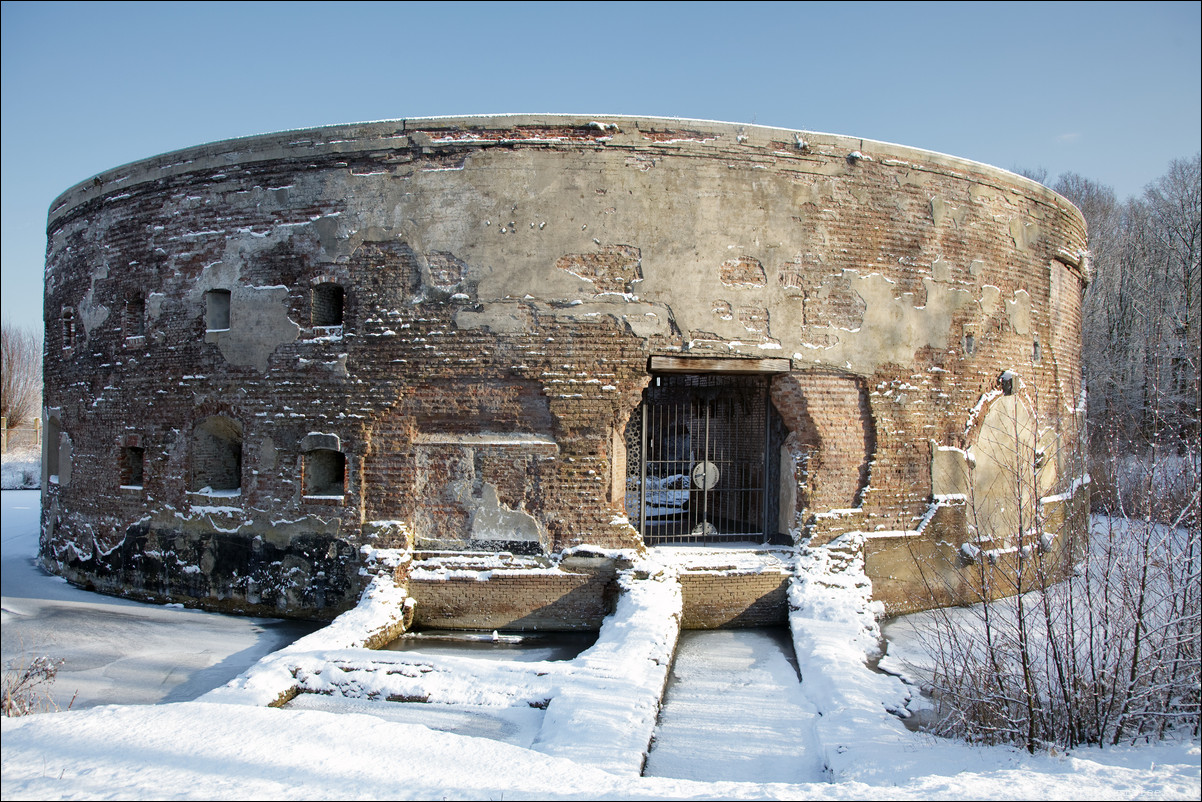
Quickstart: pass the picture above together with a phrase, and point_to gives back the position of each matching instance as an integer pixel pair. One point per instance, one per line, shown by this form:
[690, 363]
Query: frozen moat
[117, 651]
[734, 710]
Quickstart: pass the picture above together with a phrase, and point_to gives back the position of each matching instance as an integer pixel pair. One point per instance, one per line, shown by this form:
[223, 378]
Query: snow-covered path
[735, 710]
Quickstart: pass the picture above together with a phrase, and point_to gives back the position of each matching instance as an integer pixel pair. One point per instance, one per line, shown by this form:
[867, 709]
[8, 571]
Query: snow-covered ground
[566, 729]
[22, 468]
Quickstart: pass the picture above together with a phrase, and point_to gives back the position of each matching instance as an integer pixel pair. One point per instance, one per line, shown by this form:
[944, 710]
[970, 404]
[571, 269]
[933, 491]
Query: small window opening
[217, 456]
[328, 301]
[68, 320]
[324, 472]
[133, 460]
[970, 343]
[1036, 352]
[51, 446]
[217, 310]
[1008, 381]
[133, 317]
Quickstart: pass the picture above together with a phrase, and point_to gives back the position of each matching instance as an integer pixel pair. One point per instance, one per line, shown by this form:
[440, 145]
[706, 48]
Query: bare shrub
[27, 686]
[1071, 641]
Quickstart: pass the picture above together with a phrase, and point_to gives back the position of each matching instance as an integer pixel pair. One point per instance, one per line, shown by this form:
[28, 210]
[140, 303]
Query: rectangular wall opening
[703, 460]
[217, 310]
[68, 326]
[217, 456]
[133, 317]
[133, 459]
[324, 473]
[328, 301]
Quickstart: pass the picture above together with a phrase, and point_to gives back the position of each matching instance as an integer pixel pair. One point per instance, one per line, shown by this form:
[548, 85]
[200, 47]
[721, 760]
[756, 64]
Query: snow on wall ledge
[468, 311]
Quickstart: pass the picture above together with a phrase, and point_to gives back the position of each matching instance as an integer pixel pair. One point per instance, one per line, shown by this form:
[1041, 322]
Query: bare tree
[1142, 315]
[1037, 174]
[20, 375]
[1174, 204]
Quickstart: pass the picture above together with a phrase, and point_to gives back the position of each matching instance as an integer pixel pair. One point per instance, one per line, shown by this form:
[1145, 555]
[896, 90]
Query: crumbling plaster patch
[154, 305]
[490, 519]
[267, 454]
[66, 450]
[942, 211]
[259, 324]
[204, 516]
[1024, 234]
[259, 321]
[509, 317]
[894, 328]
[563, 212]
[501, 249]
[950, 474]
[92, 313]
[1018, 310]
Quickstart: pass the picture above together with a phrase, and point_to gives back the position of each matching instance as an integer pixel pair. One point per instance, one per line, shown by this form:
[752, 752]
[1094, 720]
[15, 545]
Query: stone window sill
[329, 500]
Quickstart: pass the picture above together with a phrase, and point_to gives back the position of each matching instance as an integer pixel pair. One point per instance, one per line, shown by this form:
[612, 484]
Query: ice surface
[117, 651]
[511, 725]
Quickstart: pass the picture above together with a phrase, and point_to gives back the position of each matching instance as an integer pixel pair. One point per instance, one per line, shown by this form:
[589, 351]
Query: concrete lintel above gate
[693, 364]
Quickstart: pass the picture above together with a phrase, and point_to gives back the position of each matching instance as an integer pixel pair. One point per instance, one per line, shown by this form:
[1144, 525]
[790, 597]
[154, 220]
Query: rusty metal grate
[699, 460]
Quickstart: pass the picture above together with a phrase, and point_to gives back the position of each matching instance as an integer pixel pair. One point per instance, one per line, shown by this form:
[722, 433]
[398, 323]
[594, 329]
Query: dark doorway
[703, 460]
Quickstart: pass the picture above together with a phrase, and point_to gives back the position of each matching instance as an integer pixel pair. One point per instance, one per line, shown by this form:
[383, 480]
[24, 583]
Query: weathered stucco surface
[500, 285]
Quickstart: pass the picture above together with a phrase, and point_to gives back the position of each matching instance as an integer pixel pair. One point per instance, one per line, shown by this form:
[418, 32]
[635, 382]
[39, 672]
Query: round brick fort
[538, 344]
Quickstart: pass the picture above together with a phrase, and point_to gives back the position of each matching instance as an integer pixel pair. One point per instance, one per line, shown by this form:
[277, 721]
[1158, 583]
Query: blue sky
[1108, 90]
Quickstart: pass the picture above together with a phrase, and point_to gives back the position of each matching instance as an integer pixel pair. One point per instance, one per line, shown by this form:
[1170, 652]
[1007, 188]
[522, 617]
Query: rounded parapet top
[542, 130]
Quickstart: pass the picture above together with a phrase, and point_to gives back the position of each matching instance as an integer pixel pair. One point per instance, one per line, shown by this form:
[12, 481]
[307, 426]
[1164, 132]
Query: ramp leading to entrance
[735, 710]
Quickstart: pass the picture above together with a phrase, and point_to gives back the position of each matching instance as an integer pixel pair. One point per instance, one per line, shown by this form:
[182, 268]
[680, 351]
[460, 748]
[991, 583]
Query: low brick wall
[576, 594]
[572, 597]
[718, 600]
[914, 571]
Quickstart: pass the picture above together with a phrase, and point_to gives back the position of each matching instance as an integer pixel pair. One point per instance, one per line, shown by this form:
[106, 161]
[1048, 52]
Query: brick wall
[575, 595]
[731, 599]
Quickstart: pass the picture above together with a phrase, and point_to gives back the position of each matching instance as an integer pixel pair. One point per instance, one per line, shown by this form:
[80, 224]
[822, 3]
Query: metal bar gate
[700, 460]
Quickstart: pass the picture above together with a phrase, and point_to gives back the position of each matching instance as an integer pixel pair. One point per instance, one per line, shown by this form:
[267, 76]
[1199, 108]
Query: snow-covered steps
[382, 614]
[604, 711]
[735, 710]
